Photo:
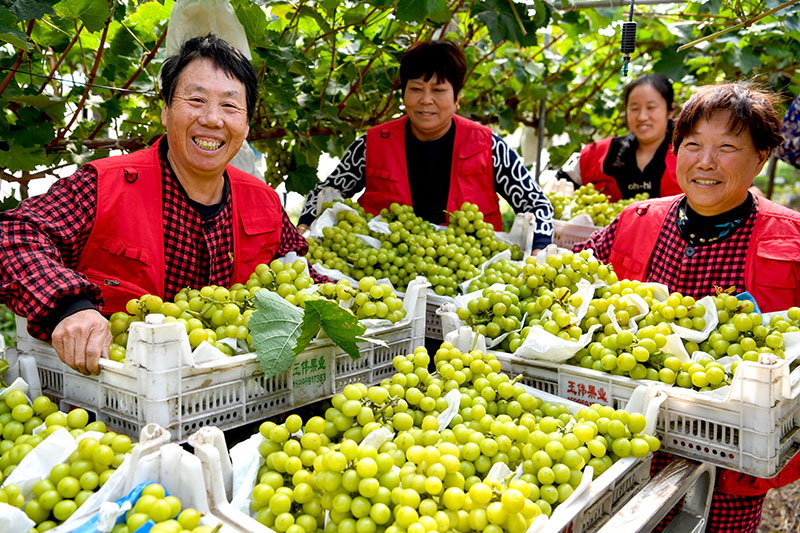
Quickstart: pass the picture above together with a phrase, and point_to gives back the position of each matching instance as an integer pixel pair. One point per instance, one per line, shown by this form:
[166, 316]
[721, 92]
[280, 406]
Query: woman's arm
[600, 242]
[513, 182]
[347, 178]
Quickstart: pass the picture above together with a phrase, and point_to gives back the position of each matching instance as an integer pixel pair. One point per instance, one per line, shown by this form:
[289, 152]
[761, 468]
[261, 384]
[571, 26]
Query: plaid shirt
[719, 264]
[43, 238]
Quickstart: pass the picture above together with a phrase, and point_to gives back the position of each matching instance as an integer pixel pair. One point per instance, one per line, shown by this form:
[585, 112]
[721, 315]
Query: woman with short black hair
[433, 159]
[717, 234]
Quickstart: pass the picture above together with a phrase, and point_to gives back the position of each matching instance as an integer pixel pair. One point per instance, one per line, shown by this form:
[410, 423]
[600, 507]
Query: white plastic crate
[565, 233]
[755, 430]
[433, 322]
[156, 460]
[604, 496]
[159, 382]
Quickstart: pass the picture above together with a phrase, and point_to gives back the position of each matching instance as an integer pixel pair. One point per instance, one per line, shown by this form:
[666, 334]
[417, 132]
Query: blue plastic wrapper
[747, 296]
[90, 526]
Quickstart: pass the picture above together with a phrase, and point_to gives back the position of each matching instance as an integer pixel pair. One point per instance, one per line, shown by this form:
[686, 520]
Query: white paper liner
[378, 225]
[13, 519]
[372, 242]
[632, 300]
[539, 344]
[453, 398]
[327, 218]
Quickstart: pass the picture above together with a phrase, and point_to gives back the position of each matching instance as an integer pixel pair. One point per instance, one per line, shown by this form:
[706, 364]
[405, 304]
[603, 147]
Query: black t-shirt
[620, 164]
[206, 212]
[429, 164]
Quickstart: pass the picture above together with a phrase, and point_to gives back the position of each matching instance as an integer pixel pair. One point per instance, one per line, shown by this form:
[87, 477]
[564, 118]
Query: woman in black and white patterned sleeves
[432, 158]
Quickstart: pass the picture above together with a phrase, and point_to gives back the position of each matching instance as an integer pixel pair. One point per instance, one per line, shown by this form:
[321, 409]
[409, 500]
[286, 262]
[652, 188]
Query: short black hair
[224, 56]
[750, 107]
[425, 59]
[659, 82]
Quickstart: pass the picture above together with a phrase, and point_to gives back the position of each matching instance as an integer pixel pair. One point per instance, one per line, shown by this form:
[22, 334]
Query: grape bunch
[589, 201]
[546, 295]
[19, 419]
[740, 331]
[279, 160]
[70, 484]
[503, 271]
[493, 313]
[166, 513]
[625, 353]
[559, 202]
[625, 312]
[677, 309]
[214, 313]
[413, 247]
[424, 478]
[369, 300]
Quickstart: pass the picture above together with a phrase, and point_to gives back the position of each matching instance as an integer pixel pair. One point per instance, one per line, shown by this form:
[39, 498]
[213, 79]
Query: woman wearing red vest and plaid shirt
[433, 159]
[155, 221]
[717, 234]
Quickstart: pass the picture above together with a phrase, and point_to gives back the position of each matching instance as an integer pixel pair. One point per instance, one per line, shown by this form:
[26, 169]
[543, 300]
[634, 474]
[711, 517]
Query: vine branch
[743, 24]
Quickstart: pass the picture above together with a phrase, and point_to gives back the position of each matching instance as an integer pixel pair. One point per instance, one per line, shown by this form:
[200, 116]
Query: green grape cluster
[214, 313]
[503, 271]
[493, 313]
[588, 200]
[19, 419]
[677, 309]
[166, 513]
[349, 202]
[605, 297]
[413, 247]
[559, 202]
[369, 300]
[279, 160]
[740, 331]
[545, 293]
[71, 483]
[430, 479]
[625, 353]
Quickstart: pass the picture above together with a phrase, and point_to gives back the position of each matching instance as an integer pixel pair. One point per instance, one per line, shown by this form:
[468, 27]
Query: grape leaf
[275, 327]
[341, 326]
[31, 9]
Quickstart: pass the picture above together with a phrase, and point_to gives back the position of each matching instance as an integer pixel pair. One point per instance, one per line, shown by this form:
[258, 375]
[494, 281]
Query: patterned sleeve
[292, 241]
[513, 182]
[600, 241]
[42, 240]
[348, 178]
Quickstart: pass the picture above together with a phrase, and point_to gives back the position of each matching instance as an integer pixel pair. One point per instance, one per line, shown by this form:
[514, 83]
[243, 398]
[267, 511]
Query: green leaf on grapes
[341, 326]
[275, 327]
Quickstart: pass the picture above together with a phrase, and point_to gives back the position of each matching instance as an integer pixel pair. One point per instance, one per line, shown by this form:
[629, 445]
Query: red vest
[471, 174]
[594, 155]
[124, 254]
[772, 276]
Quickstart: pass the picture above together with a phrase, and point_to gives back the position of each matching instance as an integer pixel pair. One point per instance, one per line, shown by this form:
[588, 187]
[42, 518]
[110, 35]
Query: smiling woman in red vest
[170, 216]
[642, 160]
[433, 159]
[717, 234]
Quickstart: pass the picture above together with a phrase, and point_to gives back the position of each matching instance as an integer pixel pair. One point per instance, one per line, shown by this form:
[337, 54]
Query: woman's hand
[80, 340]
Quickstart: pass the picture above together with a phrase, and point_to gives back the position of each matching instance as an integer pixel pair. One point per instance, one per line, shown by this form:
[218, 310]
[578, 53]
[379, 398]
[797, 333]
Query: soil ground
[781, 512]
